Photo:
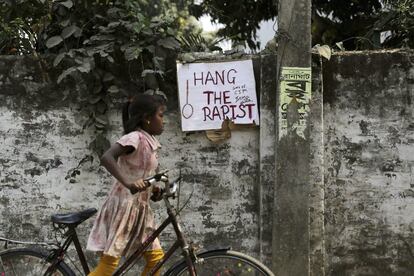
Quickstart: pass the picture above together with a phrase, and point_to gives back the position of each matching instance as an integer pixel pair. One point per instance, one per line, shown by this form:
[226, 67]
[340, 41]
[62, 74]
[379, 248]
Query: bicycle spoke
[225, 267]
[228, 263]
[27, 263]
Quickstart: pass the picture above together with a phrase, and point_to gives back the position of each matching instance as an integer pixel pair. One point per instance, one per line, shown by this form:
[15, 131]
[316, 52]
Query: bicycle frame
[180, 243]
[7, 241]
[57, 253]
[58, 250]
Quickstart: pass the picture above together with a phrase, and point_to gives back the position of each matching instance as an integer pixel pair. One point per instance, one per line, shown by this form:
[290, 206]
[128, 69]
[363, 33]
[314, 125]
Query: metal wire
[188, 200]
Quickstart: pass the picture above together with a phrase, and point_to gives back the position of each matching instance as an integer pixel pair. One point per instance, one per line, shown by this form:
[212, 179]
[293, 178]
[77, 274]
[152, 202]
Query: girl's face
[155, 124]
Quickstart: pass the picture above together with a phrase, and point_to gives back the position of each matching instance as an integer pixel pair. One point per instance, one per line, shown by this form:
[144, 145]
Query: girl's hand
[137, 186]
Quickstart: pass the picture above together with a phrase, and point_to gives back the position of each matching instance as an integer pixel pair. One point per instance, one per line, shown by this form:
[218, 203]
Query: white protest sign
[209, 93]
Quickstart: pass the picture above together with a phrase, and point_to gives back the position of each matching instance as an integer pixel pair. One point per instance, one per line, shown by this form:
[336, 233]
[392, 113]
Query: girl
[126, 219]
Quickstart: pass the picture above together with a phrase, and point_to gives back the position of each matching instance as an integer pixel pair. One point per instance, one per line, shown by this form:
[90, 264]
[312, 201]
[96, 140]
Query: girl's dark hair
[139, 107]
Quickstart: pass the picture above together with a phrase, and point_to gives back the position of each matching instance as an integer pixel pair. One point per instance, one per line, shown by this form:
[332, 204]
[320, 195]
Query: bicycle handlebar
[170, 188]
[161, 176]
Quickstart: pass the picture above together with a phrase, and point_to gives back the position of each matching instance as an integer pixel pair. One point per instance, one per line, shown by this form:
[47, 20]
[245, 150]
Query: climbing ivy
[108, 40]
[119, 47]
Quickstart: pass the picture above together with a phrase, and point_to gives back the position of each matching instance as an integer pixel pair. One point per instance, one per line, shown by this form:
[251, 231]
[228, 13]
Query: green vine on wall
[106, 43]
[119, 47]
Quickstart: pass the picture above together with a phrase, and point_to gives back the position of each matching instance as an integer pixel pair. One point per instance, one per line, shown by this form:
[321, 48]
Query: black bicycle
[48, 258]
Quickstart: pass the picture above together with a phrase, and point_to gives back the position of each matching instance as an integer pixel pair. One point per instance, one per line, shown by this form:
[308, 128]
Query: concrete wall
[365, 199]
[369, 163]
[44, 143]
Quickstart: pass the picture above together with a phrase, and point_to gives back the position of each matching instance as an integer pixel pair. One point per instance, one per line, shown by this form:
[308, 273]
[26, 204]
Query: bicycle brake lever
[157, 177]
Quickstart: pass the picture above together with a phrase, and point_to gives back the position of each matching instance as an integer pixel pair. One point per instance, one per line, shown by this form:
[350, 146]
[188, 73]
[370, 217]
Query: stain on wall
[369, 161]
[47, 166]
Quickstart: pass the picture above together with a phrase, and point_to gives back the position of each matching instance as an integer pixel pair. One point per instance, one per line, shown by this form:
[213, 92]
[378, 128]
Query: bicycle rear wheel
[224, 263]
[27, 262]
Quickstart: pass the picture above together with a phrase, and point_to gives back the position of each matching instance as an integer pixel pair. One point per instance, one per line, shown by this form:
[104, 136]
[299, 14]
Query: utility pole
[291, 232]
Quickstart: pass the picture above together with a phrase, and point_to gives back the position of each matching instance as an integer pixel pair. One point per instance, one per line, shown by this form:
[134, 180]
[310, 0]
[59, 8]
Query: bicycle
[48, 258]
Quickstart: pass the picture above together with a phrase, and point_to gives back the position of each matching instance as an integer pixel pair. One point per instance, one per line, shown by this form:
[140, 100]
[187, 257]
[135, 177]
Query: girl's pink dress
[125, 220]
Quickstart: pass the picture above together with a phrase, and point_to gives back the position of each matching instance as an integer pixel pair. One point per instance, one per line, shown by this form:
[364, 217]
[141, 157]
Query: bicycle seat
[73, 219]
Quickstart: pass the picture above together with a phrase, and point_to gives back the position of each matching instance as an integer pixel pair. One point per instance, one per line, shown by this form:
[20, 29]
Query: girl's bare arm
[109, 161]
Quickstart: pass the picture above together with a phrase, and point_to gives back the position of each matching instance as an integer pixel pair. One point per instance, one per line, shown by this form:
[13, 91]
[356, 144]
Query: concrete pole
[290, 233]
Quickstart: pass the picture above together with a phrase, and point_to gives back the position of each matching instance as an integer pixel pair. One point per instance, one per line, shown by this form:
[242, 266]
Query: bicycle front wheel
[28, 262]
[224, 263]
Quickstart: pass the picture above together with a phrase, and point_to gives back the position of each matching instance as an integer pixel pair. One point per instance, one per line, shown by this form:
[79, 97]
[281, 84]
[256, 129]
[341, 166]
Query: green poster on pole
[295, 95]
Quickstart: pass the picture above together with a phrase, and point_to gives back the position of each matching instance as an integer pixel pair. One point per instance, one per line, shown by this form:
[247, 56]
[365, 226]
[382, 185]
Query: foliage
[337, 21]
[398, 19]
[241, 18]
[109, 39]
[121, 47]
[353, 24]
[359, 24]
[20, 23]
[198, 43]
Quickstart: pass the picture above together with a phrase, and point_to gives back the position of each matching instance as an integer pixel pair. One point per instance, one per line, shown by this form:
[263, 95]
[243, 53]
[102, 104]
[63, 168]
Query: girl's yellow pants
[108, 264]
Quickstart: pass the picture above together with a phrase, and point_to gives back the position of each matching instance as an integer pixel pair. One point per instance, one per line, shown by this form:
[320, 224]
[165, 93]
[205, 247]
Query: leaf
[103, 54]
[68, 31]
[103, 38]
[169, 43]
[340, 45]
[54, 41]
[132, 53]
[147, 32]
[149, 92]
[137, 27]
[99, 126]
[64, 23]
[147, 72]
[108, 77]
[112, 11]
[86, 66]
[110, 59]
[114, 24]
[65, 73]
[170, 31]
[94, 100]
[113, 89]
[78, 32]
[91, 51]
[187, 58]
[58, 59]
[101, 120]
[71, 53]
[68, 4]
[162, 94]
[159, 63]
[150, 48]
[324, 51]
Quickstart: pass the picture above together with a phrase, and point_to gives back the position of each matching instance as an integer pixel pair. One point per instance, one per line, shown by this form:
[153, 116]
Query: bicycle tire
[223, 263]
[29, 261]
